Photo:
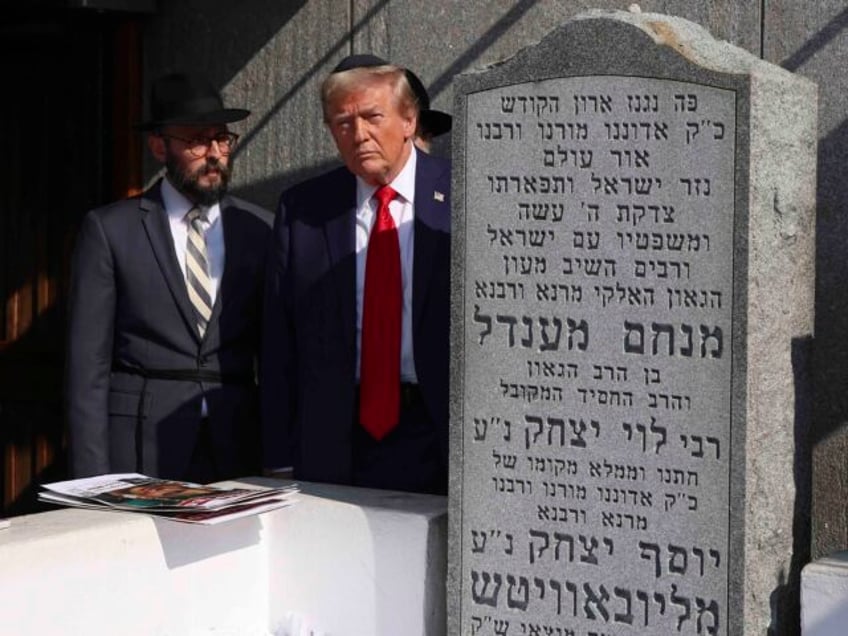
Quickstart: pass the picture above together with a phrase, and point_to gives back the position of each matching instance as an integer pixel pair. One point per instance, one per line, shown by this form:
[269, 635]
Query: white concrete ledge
[824, 596]
[342, 561]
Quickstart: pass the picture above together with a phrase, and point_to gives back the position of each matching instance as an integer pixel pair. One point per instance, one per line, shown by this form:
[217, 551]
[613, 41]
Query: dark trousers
[408, 458]
[202, 469]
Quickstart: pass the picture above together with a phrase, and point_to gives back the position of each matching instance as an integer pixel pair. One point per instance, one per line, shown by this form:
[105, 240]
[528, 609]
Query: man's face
[371, 133]
[202, 179]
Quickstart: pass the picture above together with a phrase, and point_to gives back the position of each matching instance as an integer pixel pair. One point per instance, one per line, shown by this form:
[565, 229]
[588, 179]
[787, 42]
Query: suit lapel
[155, 222]
[432, 225]
[340, 236]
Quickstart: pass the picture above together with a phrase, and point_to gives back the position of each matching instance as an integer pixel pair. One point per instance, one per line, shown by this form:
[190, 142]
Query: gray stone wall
[271, 56]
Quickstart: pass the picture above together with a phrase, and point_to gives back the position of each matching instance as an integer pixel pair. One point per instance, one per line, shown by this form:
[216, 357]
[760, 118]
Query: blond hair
[346, 82]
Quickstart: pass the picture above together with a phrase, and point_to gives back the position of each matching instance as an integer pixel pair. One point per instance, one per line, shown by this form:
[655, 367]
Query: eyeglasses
[199, 146]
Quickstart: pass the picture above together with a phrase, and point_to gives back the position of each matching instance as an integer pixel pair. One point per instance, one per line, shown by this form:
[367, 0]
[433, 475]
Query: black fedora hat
[185, 98]
[433, 122]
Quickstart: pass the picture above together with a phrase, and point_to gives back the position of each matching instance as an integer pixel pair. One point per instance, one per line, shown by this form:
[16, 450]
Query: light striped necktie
[198, 282]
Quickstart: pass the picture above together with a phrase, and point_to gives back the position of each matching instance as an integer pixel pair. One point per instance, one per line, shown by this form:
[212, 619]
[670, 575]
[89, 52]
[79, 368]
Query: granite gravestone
[633, 255]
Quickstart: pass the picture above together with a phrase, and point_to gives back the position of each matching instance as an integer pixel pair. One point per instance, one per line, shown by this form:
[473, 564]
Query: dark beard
[188, 183]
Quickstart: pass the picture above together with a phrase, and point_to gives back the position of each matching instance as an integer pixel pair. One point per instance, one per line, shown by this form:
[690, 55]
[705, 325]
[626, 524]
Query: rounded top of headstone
[687, 38]
[605, 42]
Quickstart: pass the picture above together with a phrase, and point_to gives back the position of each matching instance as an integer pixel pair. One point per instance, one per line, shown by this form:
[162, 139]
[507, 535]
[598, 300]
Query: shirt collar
[403, 184]
[177, 205]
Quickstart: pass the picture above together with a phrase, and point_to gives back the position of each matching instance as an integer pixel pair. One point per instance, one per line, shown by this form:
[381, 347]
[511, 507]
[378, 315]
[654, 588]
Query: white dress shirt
[402, 209]
[177, 206]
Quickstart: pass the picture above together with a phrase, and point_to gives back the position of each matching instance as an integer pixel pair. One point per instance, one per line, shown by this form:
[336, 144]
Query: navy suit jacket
[308, 370]
[129, 308]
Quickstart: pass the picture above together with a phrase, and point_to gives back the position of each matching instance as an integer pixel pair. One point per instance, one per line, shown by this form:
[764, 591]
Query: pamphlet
[171, 499]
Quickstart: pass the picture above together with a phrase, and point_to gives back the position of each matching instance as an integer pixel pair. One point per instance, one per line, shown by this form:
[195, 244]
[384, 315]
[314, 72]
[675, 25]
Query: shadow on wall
[815, 44]
[831, 324]
[829, 434]
[831, 301]
[785, 600]
[465, 61]
[266, 192]
[218, 37]
[178, 21]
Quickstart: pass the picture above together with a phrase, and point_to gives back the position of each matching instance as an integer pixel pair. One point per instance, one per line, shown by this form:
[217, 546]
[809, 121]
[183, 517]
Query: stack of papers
[176, 500]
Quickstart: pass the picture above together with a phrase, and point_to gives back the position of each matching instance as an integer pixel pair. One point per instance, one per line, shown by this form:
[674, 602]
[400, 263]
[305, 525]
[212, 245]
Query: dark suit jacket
[308, 371]
[129, 308]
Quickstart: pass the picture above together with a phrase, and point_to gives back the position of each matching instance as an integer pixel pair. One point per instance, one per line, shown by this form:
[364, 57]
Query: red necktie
[379, 376]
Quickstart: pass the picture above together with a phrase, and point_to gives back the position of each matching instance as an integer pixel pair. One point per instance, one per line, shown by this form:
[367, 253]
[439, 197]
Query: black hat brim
[435, 122]
[222, 116]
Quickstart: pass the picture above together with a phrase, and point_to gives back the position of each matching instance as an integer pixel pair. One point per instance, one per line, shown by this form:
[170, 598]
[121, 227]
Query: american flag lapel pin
[438, 196]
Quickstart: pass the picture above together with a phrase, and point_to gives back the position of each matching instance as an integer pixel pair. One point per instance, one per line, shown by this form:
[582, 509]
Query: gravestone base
[824, 596]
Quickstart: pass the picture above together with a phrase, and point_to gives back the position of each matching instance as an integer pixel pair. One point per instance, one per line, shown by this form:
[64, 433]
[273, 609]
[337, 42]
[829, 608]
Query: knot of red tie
[379, 375]
[384, 195]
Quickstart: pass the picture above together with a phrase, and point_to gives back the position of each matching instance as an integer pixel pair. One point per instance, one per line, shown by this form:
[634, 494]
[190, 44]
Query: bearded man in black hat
[165, 307]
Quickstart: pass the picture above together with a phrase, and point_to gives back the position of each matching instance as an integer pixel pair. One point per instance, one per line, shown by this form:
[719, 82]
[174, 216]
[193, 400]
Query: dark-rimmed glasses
[199, 146]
